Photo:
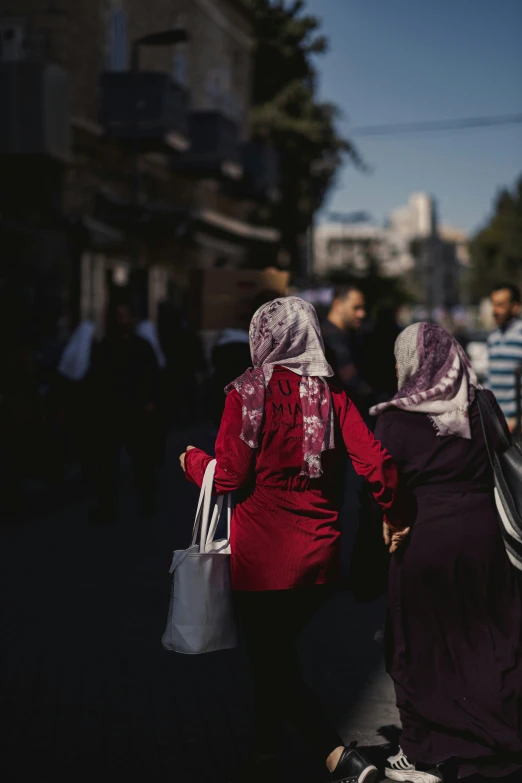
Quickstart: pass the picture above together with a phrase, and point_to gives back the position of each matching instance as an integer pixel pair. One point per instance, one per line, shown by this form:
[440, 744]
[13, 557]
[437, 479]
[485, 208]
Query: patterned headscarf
[286, 333]
[435, 377]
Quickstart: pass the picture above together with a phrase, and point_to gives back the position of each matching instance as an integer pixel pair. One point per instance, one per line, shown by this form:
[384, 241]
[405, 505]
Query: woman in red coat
[282, 445]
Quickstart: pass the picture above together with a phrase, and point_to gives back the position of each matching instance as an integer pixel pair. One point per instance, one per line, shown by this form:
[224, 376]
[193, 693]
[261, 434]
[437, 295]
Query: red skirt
[283, 539]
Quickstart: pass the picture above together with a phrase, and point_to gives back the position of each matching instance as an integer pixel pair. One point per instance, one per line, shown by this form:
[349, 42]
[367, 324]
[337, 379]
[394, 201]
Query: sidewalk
[89, 693]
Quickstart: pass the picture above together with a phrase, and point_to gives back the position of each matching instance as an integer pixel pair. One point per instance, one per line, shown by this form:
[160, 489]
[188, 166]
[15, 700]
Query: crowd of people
[325, 408]
[83, 400]
[454, 632]
[95, 398]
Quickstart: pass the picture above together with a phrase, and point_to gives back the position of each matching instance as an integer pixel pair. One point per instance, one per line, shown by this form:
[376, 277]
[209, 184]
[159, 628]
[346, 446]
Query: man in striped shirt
[505, 349]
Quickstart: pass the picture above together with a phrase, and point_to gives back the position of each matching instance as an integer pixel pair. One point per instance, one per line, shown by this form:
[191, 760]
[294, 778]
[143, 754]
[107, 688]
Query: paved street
[89, 693]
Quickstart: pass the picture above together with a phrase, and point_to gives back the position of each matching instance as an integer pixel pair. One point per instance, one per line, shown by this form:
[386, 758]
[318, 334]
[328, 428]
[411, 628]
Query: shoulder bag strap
[222, 500]
[205, 496]
[487, 408]
[482, 421]
[487, 412]
[207, 517]
[207, 539]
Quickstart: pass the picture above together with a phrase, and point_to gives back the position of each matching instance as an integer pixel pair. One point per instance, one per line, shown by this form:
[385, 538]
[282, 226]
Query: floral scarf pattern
[286, 333]
[435, 378]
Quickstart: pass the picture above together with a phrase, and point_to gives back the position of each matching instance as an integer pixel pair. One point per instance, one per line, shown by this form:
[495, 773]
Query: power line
[466, 123]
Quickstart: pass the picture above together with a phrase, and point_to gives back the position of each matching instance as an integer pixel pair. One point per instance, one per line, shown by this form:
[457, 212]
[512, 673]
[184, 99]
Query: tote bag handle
[204, 525]
[217, 515]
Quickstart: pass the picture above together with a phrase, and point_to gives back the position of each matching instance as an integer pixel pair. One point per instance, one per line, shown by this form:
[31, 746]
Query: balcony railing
[215, 146]
[162, 109]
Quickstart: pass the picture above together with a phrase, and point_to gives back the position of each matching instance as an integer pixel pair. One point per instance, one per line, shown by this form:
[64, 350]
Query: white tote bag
[201, 614]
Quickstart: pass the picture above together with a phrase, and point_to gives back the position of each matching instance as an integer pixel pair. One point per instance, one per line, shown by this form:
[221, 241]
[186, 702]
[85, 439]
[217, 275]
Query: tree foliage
[496, 251]
[289, 114]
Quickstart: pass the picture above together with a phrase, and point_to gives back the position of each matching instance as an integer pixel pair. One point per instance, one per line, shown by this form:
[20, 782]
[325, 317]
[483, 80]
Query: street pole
[427, 259]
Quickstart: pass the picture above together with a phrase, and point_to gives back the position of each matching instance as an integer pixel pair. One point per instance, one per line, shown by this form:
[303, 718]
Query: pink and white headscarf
[435, 378]
[286, 333]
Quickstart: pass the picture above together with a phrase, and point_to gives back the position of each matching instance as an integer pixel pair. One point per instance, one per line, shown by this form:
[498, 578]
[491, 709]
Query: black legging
[271, 622]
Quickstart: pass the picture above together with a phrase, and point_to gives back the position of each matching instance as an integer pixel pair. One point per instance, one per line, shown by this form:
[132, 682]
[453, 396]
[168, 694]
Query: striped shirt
[505, 355]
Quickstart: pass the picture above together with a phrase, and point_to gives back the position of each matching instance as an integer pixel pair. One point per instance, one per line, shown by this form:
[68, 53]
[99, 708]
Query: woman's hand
[183, 457]
[394, 537]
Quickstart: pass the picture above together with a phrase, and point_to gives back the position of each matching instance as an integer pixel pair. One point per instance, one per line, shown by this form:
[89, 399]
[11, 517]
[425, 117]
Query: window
[220, 95]
[234, 108]
[180, 63]
[213, 89]
[118, 47]
[12, 40]
[180, 70]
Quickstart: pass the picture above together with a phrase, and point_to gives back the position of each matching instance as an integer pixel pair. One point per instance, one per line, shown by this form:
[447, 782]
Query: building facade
[432, 259]
[126, 159]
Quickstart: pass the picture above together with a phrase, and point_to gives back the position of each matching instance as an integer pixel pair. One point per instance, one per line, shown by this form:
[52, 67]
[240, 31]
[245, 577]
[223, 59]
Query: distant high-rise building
[410, 245]
[418, 219]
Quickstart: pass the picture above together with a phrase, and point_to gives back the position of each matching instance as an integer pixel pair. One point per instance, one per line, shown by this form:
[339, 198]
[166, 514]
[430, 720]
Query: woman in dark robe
[455, 631]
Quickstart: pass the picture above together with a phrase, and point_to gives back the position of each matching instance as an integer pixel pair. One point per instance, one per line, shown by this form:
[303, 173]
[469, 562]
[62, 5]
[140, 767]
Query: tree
[288, 114]
[496, 251]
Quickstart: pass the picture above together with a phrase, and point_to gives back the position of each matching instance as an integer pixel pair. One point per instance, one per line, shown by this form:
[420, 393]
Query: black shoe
[353, 767]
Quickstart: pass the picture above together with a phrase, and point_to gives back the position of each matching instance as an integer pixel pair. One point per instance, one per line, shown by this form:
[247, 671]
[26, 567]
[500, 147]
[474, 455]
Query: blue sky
[408, 60]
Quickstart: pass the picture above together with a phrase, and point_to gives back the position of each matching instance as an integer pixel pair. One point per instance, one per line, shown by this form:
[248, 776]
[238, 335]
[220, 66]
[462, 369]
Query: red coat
[285, 530]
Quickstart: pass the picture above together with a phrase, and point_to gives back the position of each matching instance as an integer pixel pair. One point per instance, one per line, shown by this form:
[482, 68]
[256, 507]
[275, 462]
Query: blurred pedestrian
[345, 318]
[185, 368]
[124, 387]
[72, 388]
[231, 356]
[147, 330]
[282, 444]
[341, 334]
[505, 349]
[455, 618]
[76, 358]
[158, 420]
[378, 364]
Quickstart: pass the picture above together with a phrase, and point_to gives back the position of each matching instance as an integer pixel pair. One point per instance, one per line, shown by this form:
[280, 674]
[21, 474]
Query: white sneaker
[400, 768]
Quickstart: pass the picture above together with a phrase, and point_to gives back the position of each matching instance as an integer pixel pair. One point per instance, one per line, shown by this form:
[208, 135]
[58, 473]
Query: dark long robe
[455, 614]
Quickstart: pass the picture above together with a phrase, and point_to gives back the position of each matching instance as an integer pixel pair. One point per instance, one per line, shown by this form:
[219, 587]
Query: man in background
[340, 333]
[505, 349]
[378, 361]
[124, 382]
